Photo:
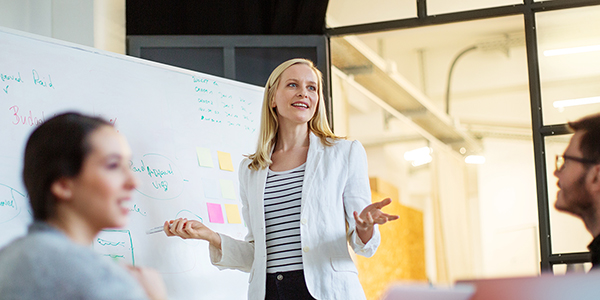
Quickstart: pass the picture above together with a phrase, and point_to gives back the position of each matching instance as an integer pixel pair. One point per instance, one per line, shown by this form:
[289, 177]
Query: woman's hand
[370, 216]
[151, 282]
[192, 229]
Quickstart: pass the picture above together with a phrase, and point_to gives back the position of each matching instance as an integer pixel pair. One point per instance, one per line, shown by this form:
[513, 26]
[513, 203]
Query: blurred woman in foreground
[76, 171]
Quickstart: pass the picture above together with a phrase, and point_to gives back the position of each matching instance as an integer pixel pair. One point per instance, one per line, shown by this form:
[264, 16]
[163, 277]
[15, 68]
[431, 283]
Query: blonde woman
[301, 193]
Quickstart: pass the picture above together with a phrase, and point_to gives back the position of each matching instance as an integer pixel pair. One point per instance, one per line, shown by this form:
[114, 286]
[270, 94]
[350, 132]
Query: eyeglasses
[560, 161]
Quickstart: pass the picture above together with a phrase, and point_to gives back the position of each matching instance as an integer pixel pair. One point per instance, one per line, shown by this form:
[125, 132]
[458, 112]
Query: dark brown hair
[590, 140]
[56, 149]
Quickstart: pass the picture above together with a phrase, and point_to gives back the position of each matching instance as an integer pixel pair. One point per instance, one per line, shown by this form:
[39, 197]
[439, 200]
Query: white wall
[34, 16]
[508, 208]
[94, 23]
[506, 199]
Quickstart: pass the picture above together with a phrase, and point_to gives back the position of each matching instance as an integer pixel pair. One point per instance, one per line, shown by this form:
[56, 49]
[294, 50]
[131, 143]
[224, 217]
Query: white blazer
[336, 184]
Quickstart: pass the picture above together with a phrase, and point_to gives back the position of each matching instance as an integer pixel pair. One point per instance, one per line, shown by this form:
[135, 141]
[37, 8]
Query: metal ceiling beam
[399, 94]
[423, 19]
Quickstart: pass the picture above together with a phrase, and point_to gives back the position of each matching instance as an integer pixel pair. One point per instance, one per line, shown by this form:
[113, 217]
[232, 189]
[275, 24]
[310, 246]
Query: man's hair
[590, 140]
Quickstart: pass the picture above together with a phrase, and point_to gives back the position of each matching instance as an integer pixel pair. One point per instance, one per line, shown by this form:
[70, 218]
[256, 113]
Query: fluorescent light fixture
[421, 161]
[417, 153]
[418, 156]
[475, 159]
[572, 50]
[575, 102]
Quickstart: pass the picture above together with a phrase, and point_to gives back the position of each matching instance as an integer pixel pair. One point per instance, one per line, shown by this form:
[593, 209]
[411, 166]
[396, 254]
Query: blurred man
[578, 173]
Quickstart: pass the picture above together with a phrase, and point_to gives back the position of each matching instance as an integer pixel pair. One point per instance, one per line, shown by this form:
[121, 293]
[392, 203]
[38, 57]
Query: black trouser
[287, 286]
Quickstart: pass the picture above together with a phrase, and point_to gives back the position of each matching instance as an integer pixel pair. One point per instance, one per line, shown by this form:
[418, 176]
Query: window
[569, 49]
[352, 12]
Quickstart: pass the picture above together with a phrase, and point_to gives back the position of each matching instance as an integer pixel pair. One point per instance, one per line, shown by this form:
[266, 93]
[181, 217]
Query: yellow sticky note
[225, 161]
[233, 214]
[227, 189]
[204, 158]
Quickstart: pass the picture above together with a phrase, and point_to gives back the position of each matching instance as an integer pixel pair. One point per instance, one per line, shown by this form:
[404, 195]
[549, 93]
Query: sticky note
[204, 158]
[233, 214]
[225, 161]
[211, 188]
[227, 189]
[215, 214]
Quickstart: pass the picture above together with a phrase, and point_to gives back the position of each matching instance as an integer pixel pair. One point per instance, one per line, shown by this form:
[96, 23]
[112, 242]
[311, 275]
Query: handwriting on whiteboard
[115, 244]
[37, 79]
[25, 118]
[9, 203]
[160, 178]
[218, 107]
[29, 118]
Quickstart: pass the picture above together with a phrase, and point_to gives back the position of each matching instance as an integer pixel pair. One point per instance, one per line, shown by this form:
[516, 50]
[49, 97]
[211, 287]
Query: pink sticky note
[215, 214]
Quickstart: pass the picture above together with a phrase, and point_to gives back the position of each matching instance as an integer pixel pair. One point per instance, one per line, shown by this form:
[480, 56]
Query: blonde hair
[268, 122]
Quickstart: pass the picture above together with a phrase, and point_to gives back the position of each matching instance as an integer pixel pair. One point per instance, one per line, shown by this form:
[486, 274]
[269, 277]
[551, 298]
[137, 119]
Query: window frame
[528, 10]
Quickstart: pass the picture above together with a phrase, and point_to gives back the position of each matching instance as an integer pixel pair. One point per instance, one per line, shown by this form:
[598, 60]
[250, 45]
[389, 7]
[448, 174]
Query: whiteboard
[181, 126]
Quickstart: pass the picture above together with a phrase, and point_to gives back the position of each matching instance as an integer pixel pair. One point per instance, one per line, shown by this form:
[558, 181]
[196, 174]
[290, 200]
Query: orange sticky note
[225, 161]
[233, 214]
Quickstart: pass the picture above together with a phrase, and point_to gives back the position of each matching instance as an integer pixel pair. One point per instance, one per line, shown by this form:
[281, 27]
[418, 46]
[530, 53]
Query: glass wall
[569, 51]
[352, 12]
[479, 220]
[460, 90]
[568, 232]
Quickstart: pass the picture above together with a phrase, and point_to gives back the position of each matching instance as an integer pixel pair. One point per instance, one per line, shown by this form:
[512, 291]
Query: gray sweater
[46, 264]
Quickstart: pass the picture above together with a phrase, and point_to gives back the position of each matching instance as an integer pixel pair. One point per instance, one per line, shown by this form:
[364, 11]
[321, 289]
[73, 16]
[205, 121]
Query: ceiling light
[418, 156]
[421, 161]
[575, 102]
[417, 153]
[475, 159]
[572, 50]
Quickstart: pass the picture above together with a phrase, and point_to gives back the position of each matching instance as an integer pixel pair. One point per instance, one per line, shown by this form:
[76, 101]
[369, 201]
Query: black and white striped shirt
[283, 193]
